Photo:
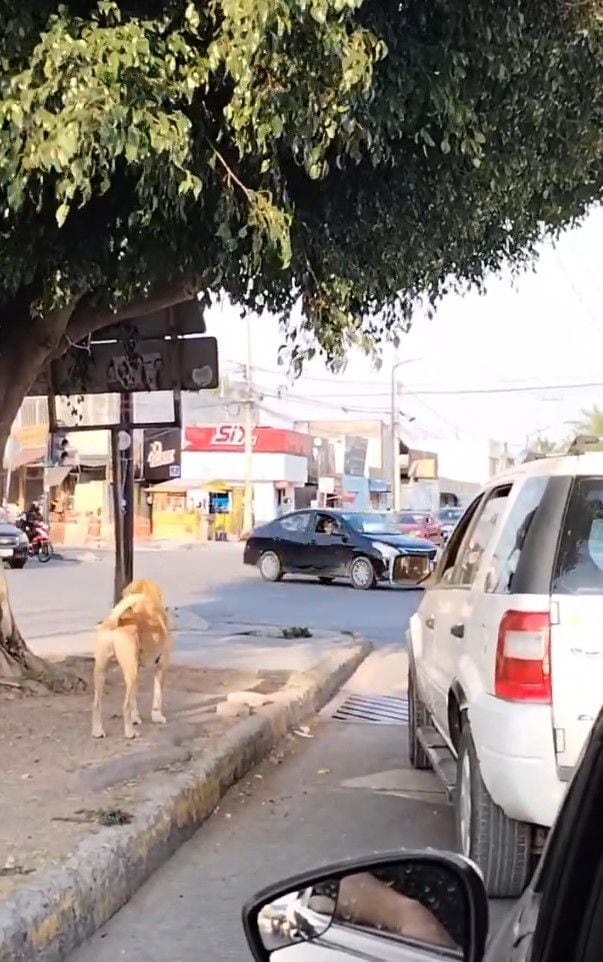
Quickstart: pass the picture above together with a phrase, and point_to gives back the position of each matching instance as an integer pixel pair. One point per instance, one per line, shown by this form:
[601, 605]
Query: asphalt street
[347, 790]
[72, 595]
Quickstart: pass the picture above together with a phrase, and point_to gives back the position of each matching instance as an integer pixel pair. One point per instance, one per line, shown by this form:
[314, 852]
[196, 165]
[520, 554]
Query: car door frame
[288, 546]
[424, 647]
[337, 549]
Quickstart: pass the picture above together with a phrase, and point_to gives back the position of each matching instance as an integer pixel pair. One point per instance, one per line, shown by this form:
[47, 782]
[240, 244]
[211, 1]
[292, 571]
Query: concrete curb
[48, 919]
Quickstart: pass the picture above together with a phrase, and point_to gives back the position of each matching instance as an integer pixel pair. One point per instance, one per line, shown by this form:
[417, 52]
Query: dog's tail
[126, 604]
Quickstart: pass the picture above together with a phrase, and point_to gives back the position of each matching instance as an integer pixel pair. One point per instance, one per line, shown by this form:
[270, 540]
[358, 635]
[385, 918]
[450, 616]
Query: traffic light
[63, 455]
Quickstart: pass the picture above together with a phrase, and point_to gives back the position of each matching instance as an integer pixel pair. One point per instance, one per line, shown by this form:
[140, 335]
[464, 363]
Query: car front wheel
[499, 845]
[362, 574]
[270, 566]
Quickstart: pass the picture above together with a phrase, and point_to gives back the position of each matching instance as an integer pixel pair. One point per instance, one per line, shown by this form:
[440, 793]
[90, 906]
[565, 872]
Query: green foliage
[358, 156]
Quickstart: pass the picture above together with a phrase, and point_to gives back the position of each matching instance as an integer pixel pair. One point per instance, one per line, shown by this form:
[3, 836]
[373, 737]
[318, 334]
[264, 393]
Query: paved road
[331, 796]
[70, 596]
[348, 790]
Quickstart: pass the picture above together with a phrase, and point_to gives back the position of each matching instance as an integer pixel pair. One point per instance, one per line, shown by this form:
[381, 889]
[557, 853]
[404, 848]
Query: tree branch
[88, 317]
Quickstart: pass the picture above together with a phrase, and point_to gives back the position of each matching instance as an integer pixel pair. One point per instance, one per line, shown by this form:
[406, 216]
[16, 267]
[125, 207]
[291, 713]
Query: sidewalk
[217, 645]
[86, 822]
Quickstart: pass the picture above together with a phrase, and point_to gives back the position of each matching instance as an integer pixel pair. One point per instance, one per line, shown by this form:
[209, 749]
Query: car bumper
[517, 758]
[13, 554]
[389, 571]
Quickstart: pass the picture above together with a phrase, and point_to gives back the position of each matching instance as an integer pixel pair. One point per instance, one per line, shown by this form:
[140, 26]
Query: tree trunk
[19, 364]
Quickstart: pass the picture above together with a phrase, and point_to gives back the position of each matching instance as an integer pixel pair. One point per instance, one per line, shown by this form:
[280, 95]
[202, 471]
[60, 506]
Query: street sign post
[164, 351]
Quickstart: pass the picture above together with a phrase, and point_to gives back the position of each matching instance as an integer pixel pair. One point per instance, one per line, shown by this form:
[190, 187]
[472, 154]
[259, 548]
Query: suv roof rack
[583, 441]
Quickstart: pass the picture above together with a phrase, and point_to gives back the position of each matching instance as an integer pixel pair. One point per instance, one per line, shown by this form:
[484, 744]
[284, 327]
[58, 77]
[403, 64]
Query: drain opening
[374, 709]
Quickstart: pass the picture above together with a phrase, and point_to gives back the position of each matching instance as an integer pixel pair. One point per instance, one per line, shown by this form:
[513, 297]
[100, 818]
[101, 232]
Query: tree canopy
[358, 156]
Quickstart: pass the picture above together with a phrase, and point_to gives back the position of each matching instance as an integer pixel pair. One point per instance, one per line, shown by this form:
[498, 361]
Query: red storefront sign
[231, 437]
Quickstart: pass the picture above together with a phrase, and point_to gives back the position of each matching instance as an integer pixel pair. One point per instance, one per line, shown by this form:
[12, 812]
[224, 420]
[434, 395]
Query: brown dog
[134, 633]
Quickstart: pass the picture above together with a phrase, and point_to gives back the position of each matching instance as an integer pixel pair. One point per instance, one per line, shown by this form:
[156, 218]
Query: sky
[498, 365]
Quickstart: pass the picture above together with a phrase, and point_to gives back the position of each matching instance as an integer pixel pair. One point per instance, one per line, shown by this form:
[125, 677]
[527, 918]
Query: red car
[419, 525]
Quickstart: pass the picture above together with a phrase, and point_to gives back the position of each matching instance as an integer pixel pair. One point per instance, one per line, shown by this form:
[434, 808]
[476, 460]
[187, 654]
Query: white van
[506, 658]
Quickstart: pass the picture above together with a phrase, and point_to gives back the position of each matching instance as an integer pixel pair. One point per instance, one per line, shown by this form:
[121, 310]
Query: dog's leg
[157, 715]
[136, 719]
[102, 657]
[126, 652]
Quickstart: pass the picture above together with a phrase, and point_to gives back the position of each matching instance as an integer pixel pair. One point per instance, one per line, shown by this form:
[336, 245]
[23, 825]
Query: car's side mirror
[400, 907]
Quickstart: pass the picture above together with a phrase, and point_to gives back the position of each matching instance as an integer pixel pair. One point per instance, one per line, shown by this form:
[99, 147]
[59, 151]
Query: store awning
[181, 485]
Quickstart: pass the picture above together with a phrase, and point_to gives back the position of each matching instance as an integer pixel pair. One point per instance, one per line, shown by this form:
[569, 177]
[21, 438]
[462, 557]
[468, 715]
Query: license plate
[411, 568]
[6, 552]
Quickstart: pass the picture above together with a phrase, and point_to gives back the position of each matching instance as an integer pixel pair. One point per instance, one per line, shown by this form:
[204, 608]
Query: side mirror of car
[398, 906]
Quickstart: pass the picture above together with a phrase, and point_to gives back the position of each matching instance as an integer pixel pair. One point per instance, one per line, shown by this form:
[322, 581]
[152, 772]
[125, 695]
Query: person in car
[363, 899]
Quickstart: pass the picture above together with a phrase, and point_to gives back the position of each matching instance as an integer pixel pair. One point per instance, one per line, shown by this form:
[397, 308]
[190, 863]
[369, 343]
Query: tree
[353, 157]
[591, 422]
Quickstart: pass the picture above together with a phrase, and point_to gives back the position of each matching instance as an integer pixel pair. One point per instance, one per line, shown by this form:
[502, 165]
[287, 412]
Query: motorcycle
[40, 546]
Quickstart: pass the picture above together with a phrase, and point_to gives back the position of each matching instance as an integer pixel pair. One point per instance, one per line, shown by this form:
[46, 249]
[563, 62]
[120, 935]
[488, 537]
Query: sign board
[190, 364]
[355, 455]
[183, 319]
[161, 454]
[422, 464]
[231, 437]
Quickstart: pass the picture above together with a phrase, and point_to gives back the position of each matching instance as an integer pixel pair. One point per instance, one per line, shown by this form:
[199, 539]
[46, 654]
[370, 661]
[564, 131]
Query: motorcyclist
[33, 517]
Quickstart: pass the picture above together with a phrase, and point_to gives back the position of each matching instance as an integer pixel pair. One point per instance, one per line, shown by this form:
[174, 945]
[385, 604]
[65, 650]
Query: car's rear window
[579, 562]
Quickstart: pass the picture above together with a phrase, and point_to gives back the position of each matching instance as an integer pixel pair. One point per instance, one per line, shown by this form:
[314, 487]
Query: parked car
[364, 547]
[448, 518]
[13, 545]
[506, 659]
[424, 906]
[418, 524]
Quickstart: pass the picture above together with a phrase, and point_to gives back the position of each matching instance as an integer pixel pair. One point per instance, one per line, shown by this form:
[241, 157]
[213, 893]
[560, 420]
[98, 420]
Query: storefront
[279, 465]
[159, 456]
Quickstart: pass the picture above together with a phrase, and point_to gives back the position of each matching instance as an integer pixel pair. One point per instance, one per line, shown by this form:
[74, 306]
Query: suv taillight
[523, 657]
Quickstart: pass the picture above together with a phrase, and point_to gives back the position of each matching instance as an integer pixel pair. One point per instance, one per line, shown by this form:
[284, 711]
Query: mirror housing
[346, 909]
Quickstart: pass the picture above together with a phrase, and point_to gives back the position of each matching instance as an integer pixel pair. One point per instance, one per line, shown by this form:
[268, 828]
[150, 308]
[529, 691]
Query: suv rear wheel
[499, 845]
[418, 717]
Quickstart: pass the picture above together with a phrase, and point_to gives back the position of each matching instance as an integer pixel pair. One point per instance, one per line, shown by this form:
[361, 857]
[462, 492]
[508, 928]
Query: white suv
[506, 658]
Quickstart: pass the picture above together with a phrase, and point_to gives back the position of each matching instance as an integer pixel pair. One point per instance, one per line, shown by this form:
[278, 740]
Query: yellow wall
[175, 524]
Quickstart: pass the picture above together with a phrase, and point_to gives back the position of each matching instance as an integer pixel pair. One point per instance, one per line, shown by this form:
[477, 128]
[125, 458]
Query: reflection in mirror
[392, 911]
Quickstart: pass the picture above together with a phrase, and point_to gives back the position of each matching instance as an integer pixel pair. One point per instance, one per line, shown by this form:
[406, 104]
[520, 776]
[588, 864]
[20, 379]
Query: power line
[458, 392]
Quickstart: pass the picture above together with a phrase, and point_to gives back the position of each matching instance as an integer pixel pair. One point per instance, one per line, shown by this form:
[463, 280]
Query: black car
[13, 545]
[364, 547]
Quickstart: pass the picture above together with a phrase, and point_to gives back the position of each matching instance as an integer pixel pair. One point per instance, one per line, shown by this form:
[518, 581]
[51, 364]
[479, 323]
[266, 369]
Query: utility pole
[122, 464]
[248, 427]
[395, 439]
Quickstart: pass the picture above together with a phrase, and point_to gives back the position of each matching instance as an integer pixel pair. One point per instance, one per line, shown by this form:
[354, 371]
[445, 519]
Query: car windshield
[372, 523]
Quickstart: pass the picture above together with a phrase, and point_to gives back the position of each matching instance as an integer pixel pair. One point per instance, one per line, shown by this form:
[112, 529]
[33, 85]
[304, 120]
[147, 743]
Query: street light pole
[395, 439]
[248, 427]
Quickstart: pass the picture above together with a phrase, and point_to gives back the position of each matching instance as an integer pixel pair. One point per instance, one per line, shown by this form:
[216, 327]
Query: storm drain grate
[374, 709]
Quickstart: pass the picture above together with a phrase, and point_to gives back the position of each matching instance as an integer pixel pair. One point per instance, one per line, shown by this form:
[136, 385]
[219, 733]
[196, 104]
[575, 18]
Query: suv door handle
[458, 631]
[430, 622]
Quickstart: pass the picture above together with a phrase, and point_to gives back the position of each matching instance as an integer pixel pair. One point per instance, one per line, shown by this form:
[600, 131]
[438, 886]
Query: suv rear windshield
[579, 562]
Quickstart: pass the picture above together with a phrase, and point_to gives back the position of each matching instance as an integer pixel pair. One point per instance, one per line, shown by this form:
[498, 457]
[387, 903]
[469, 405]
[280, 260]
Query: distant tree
[591, 422]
